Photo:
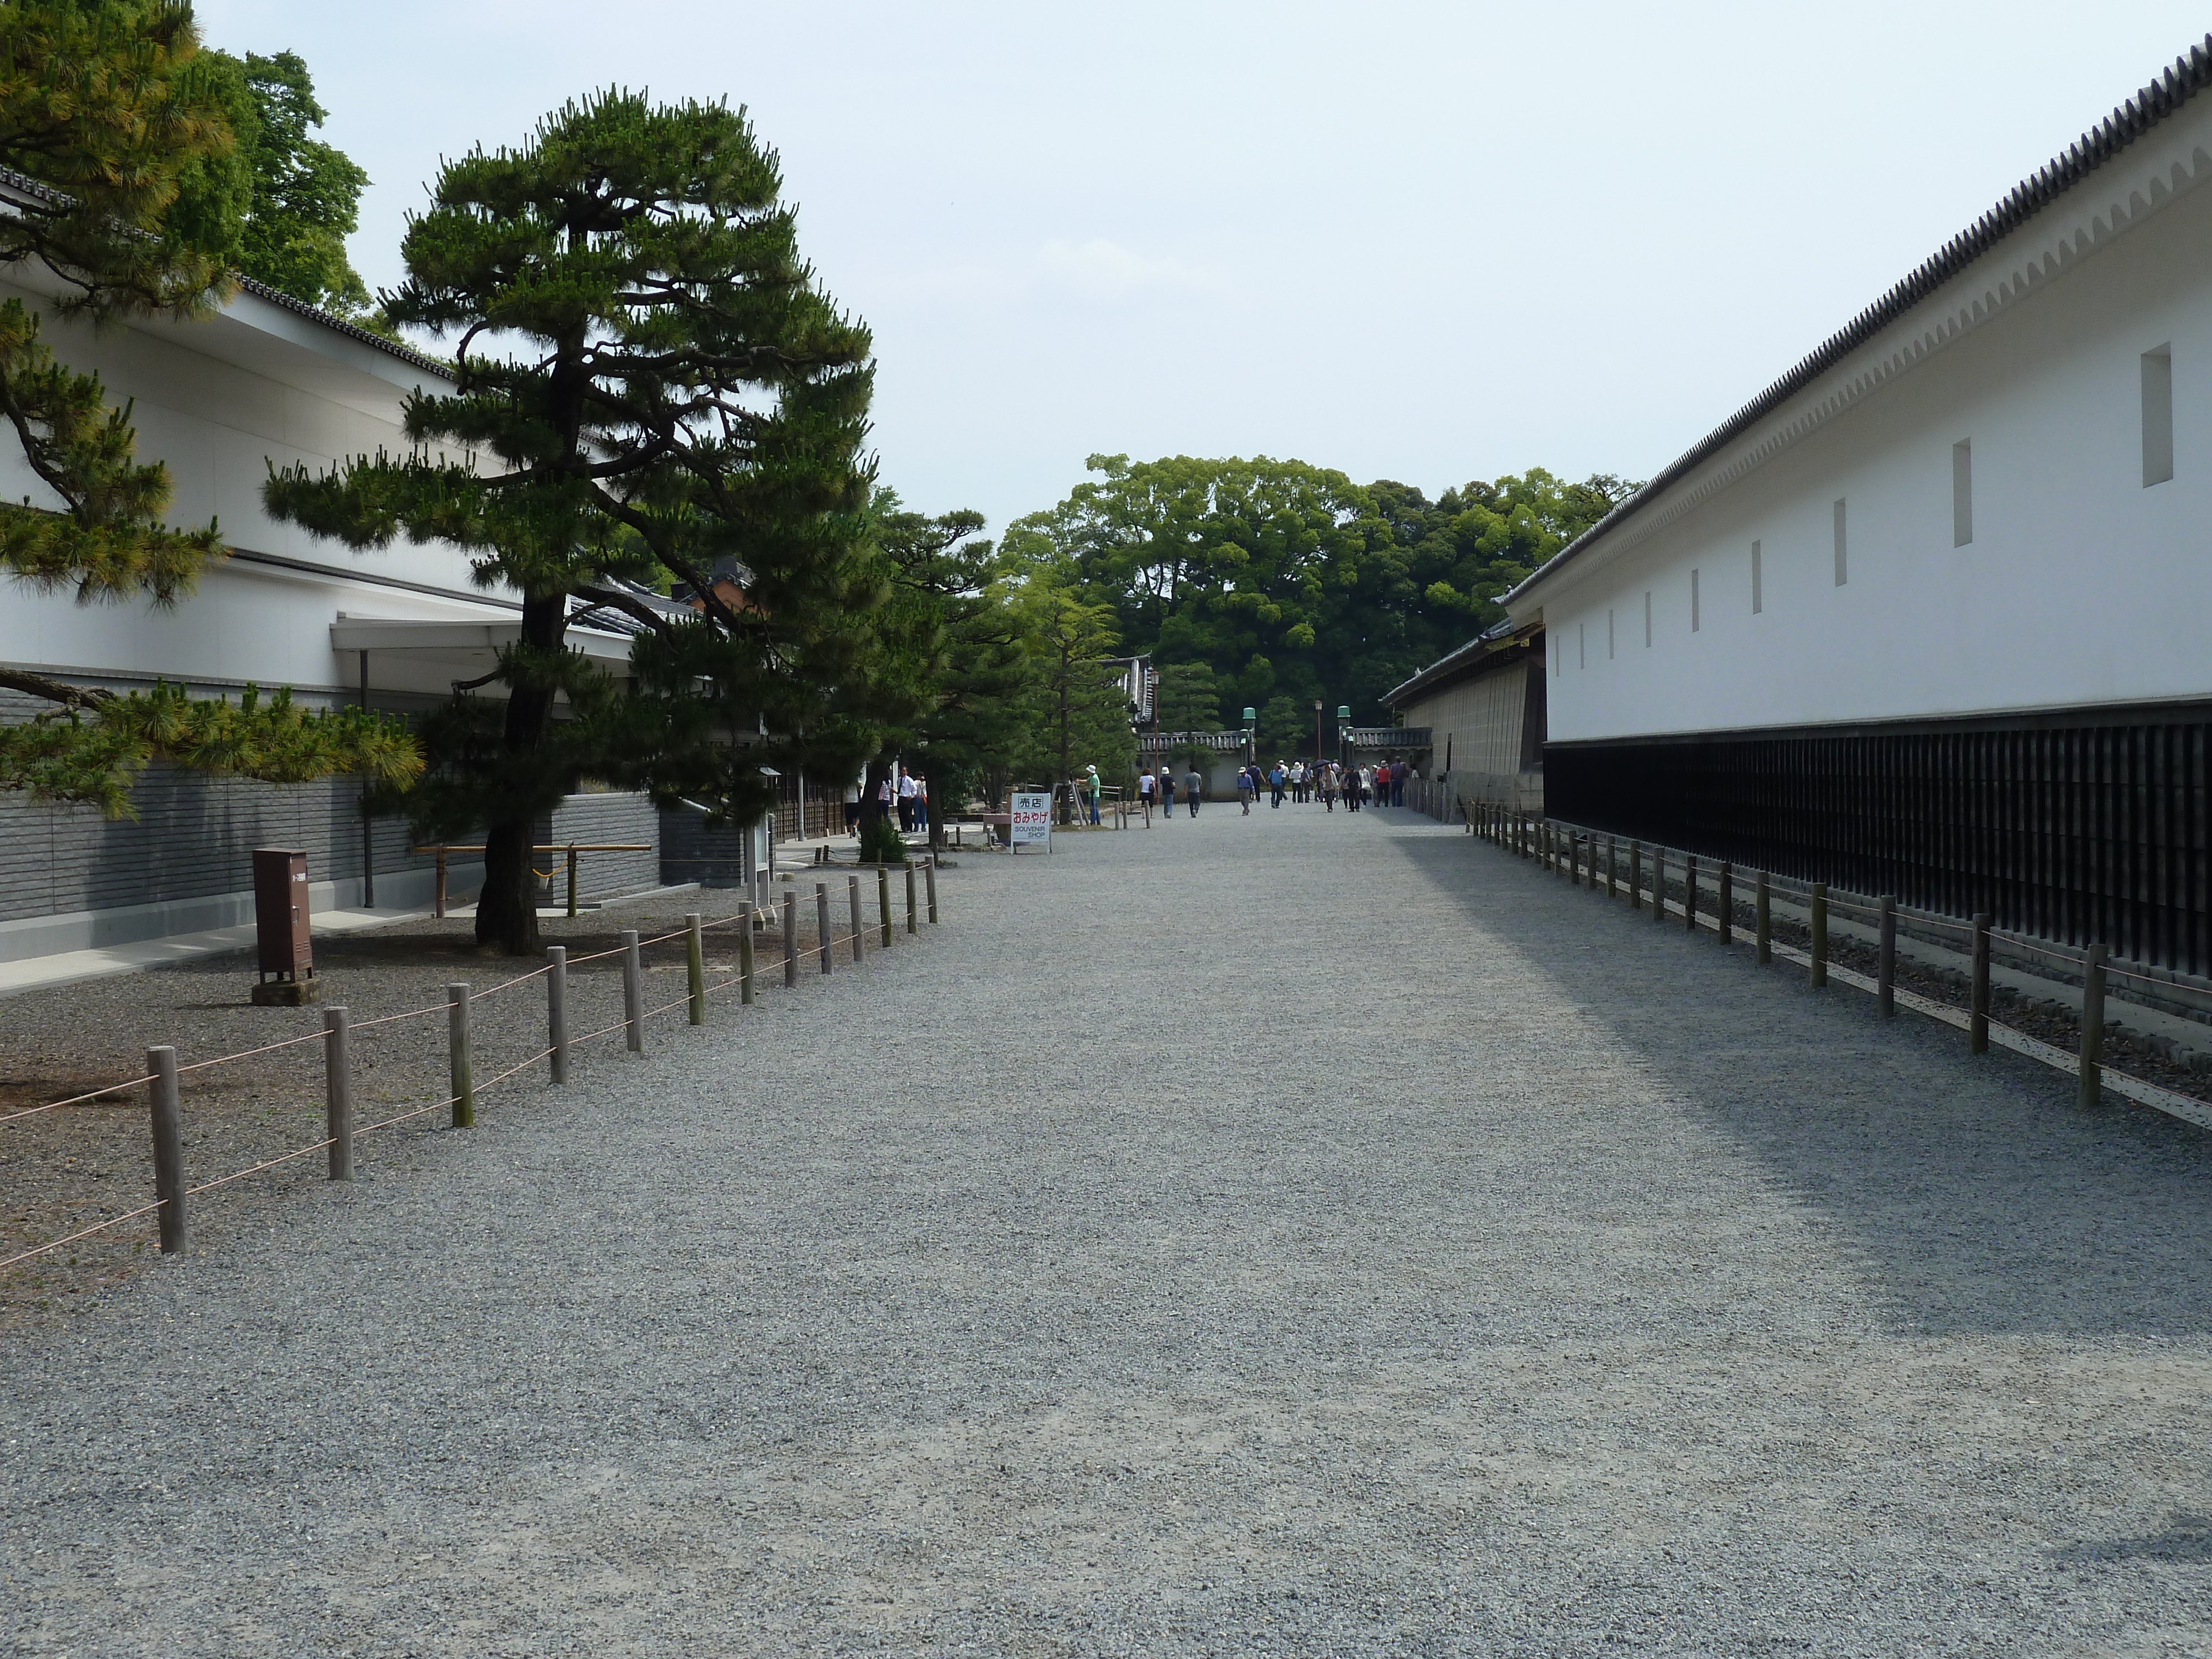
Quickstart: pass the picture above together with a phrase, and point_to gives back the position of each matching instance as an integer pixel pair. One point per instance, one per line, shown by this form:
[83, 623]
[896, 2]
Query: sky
[1426, 242]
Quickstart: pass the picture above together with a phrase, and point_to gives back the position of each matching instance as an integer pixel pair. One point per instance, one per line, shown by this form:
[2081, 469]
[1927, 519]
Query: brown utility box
[280, 918]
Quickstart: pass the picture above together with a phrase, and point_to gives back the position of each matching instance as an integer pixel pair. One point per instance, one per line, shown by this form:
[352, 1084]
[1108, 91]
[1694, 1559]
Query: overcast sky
[1428, 242]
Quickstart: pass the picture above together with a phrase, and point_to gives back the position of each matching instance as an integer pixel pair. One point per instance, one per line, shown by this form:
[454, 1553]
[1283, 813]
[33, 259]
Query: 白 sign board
[1032, 822]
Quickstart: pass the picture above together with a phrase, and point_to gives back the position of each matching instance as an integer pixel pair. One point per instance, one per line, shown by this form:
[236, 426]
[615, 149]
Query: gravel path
[1291, 1235]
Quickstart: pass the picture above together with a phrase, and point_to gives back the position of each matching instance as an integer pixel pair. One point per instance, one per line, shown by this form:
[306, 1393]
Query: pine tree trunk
[506, 913]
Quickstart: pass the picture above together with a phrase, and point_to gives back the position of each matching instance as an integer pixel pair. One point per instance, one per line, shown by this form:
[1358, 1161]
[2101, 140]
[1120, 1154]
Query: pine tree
[659, 391]
[111, 107]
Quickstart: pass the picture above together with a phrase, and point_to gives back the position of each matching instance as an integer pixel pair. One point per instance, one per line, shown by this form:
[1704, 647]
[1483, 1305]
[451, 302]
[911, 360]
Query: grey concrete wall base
[130, 924]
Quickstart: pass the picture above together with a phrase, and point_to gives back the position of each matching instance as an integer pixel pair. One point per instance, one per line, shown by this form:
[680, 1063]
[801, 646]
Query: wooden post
[744, 953]
[1636, 875]
[1690, 892]
[909, 895]
[1885, 973]
[438, 901]
[790, 941]
[1762, 920]
[1977, 992]
[168, 1147]
[1574, 858]
[696, 951]
[556, 1010]
[572, 880]
[1658, 883]
[633, 972]
[929, 877]
[1817, 925]
[853, 898]
[883, 901]
[2092, 1025]
[458, 1070]
[1726, 925]
[337, 1091]
[822, 924]
[1612, 866]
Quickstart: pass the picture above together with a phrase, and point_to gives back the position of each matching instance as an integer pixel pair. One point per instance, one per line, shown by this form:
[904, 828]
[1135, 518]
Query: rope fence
[1712, 891]
[162, 1075]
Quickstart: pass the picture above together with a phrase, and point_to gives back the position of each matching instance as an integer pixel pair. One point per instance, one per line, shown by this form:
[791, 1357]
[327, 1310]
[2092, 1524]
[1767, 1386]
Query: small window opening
[1608, 636]
[1693, 601]
[2158, 415]
[1758, 600]
[1962, 492]
[1647, 618]
[1842, 568]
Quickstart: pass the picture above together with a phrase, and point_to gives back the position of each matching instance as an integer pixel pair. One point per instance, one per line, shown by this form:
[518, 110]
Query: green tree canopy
[659, 391]
[1290, 582]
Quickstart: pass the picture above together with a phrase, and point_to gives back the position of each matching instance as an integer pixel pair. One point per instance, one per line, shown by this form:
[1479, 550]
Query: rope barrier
[248, 1053]
[271, 1164]
[400, 1117]
[52, 1105]
[386, 1019]
[112, 1221]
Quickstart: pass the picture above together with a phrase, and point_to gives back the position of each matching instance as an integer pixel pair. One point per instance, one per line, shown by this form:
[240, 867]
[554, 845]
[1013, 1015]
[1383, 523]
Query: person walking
[887, 792]
[921, 804]
[1193, 787]
[1167, 789]
[1245, 789]
[906, 799]
[1276, 780]
[1397, 783]
[1144, 788]
[853, 807]
[1329, 788]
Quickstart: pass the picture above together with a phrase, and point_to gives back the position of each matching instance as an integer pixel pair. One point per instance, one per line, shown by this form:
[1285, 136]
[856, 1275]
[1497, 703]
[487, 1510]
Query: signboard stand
[1030, 820]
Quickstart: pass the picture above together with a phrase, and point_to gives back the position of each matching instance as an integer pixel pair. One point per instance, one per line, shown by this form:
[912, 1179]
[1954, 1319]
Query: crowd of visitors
[1383, 784]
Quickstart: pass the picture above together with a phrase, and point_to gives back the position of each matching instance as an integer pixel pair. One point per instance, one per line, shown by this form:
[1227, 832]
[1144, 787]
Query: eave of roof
[24, 184]
[2162, 99]
[1458, 664]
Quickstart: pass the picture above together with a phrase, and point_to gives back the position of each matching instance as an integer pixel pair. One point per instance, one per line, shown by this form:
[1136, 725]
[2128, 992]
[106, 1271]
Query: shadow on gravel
[2186, 1537]
[1973, 1193]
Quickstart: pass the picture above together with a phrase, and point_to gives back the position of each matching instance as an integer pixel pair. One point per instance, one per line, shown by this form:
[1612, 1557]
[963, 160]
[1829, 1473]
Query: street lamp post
[1251, 736]
[1316, 729]
[1343, 715]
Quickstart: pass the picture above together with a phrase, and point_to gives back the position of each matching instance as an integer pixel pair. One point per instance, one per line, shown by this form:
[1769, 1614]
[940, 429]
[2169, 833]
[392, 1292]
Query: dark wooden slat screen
[2083, 833]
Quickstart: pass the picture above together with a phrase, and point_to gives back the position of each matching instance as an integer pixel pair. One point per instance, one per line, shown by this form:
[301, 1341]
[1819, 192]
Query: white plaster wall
[219, 402]
[2081, 585]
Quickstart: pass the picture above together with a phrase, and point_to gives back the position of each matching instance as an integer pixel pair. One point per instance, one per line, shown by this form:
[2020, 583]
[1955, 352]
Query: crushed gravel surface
[1291, 1235]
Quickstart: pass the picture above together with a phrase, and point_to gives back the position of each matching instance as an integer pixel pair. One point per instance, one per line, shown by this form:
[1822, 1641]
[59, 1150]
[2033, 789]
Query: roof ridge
[2185, 77]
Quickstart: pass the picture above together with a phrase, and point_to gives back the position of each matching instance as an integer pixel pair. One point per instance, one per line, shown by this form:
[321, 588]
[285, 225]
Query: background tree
[659, 391]
[1077, 712]
[1290, 581]
[114, 108]
[302, 196]
[1189, 701]
[957, 652]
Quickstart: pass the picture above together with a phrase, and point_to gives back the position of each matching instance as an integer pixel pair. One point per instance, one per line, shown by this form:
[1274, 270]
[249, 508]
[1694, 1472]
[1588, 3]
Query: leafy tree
[114, 108]
[305, 194]
[1290, 581]
[1286, 728]
[954, 651]
[663, 391]
[1079, 713]
[1189, 701]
